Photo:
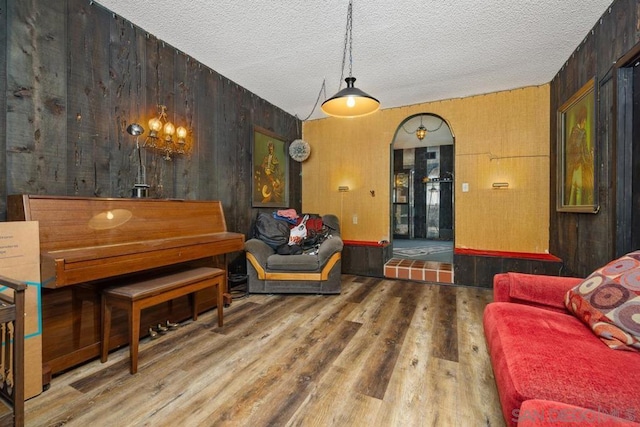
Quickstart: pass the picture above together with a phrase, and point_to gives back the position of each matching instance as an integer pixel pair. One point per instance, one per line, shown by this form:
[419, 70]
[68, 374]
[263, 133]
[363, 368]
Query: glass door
[402, 204]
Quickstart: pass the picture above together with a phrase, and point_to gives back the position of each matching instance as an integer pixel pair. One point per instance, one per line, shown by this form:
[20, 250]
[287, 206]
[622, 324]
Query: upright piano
[87, 243]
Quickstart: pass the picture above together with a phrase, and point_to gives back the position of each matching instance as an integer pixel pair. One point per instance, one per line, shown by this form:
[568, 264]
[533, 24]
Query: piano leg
[80, 294]
[134, 337]
[226, 295]
[106, 329]
[133, 316]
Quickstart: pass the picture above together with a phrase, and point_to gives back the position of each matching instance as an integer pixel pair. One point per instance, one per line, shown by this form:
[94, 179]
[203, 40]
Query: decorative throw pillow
[608, 301]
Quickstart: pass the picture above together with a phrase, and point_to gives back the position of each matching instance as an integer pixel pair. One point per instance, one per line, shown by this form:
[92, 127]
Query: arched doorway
[422, 184]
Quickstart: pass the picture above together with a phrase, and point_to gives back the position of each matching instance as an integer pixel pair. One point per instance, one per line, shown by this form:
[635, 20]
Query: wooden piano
[86, 243]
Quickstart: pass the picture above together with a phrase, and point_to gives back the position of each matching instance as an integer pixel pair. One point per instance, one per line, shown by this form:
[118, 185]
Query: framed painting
[577, 151]
[270, 187]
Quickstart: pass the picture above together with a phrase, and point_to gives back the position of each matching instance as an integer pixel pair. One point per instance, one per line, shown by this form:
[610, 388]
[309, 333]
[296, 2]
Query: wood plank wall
[587, 241]
[3, 100]
[77, 75]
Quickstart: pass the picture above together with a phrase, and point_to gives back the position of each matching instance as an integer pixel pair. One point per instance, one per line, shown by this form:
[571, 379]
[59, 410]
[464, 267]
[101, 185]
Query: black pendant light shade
[350, 102]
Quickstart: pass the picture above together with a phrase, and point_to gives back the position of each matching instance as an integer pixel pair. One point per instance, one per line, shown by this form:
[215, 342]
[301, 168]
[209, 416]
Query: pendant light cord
[348, 41]
[322, 91]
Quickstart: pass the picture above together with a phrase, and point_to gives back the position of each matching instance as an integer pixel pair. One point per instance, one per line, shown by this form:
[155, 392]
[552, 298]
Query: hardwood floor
[383, 353]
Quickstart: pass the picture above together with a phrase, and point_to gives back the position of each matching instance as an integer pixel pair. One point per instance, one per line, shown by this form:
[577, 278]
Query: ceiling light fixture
[421, 132]
[350, 101]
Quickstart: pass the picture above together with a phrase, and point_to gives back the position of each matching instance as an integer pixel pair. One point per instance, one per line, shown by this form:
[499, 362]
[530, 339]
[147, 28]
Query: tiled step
[418, 270]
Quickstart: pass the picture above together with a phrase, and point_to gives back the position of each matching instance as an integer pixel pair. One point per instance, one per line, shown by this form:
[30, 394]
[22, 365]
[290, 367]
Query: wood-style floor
[383, 353]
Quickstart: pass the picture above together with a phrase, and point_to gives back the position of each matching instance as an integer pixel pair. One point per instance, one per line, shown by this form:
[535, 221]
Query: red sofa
[549, 367]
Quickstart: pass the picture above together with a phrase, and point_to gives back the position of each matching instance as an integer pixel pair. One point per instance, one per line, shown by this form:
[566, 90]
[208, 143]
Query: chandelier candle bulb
[169, 130]
[154, 126]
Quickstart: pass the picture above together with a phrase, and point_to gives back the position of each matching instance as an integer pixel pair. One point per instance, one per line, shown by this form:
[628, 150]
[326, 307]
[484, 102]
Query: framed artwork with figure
[270, 186]
[577, 151]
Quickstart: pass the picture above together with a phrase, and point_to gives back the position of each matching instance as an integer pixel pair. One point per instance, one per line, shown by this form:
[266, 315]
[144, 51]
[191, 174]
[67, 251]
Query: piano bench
[135, 296]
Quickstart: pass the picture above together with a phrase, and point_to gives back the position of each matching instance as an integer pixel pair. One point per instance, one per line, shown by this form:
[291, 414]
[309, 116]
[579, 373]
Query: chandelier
[165, 138]
[421, 132]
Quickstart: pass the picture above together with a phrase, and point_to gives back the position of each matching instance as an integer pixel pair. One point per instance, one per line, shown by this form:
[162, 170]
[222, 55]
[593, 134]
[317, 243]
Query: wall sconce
[343, 188]
[164, 142]
[498, 185]
[140, 188]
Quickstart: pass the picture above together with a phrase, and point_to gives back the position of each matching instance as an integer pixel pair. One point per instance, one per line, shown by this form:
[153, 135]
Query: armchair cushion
[293, 263]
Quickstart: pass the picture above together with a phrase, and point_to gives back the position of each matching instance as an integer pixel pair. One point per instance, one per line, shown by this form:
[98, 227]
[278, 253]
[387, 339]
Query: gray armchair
[317, 273]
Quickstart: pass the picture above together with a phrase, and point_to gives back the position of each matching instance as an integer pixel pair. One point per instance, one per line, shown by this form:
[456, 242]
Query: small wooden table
[135, 296]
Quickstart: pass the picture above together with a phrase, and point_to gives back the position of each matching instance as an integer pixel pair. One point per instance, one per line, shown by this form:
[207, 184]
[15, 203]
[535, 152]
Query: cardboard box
[20, 260]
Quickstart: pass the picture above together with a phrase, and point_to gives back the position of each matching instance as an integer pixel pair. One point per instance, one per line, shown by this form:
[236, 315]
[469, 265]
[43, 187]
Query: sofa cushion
[533, 289]
[541, 354]
[609, 302]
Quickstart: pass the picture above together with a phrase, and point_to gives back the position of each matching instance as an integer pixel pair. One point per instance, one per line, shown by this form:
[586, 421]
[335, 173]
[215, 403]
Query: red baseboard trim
[363, 243]
[501, 254]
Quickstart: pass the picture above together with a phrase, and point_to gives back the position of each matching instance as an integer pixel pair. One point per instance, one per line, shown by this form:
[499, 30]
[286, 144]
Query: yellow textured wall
[499, 137]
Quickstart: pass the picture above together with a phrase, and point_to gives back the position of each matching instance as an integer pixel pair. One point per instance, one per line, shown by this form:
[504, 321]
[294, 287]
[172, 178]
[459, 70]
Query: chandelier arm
[441, 123]
[428, 130]
[407, 131]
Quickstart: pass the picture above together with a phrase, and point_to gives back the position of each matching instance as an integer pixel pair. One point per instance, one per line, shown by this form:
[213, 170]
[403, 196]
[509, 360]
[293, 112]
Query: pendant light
[421, 132]
[350, 101]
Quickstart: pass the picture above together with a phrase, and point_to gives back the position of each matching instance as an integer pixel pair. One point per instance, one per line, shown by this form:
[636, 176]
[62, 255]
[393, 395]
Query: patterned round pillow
[608, 301]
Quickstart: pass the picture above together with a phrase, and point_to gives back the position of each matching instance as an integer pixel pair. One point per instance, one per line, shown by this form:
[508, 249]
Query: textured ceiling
[404, 51]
